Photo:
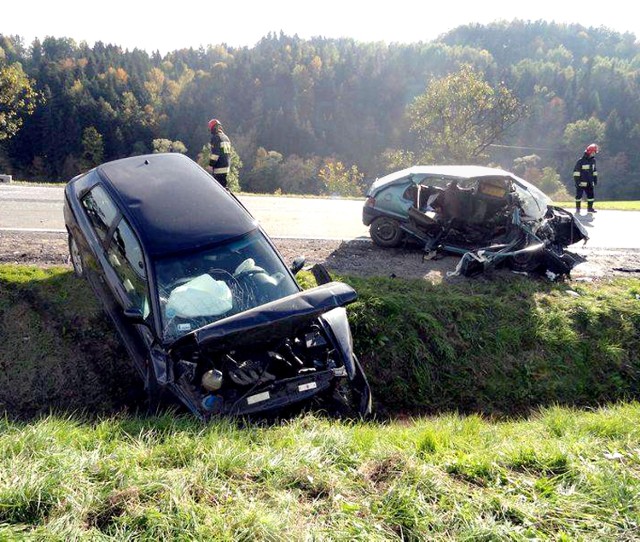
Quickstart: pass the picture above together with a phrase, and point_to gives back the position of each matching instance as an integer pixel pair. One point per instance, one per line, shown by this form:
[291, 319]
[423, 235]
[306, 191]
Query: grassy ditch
[498, 347]
[77, 462]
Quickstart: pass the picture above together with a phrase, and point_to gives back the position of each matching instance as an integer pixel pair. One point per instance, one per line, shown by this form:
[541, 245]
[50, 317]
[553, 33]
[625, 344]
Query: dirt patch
[53, 359]
[356, 257]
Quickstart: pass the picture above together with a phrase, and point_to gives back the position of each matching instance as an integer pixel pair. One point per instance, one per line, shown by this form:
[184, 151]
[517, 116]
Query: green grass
[506, 409]
[497, 347]
[604, 205]
[562, 474]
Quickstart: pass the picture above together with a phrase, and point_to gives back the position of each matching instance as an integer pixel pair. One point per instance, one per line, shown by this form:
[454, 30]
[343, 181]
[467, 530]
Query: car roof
[173, 203]
[460, 171]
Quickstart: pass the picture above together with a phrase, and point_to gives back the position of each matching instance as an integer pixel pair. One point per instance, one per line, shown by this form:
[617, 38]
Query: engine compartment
[264, 375]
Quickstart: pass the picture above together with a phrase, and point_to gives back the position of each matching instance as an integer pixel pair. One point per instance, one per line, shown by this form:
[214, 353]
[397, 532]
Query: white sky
[166, 25]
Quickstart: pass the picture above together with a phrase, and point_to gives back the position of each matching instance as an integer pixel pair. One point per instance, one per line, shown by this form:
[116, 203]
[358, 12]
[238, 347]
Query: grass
[496, 347]
[561, 474]
[506, 410]
[604, 205]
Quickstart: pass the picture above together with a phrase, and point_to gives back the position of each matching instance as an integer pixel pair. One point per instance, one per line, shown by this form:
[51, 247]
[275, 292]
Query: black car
[204, 303]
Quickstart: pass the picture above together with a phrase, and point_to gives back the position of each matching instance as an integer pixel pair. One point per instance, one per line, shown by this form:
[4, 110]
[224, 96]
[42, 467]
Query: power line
[526, 148]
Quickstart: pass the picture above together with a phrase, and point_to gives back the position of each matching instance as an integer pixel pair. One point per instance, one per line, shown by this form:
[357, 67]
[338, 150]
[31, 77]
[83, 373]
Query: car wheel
[76, 257]
[342, 403]
[525, 262]
[385, 232]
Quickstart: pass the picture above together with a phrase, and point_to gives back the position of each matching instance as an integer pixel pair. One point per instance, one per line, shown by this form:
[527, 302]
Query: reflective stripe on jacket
[220, 159]
[585, 172]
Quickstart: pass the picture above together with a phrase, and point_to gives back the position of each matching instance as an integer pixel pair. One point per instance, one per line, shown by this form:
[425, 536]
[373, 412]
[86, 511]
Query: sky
[166, 25]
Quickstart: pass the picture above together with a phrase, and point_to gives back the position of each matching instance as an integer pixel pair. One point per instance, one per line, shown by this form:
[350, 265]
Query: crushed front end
[497, 223]
[535, 246]
[289, 352]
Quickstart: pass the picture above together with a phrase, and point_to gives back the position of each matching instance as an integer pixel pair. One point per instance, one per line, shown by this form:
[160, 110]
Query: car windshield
[533, 201]
[203, 287]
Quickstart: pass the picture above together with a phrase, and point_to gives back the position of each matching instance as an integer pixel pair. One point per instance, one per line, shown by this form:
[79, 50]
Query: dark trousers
[588, 190]
[221, 178]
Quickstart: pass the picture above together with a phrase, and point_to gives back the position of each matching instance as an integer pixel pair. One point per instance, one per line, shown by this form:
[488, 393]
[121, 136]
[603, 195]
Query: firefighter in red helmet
[220, 159]
[585, 176]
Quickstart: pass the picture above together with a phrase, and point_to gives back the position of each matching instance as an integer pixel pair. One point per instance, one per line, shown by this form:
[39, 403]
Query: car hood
[280, 318]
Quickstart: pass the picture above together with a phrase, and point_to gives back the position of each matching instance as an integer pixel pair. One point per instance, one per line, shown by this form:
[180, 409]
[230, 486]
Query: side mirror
[297, 264]
[134, 315]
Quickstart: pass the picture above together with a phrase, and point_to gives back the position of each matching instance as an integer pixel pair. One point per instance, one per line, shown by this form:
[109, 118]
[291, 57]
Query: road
[24, 207]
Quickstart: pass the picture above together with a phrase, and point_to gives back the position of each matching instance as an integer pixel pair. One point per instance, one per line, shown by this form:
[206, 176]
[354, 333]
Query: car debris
[488, 216]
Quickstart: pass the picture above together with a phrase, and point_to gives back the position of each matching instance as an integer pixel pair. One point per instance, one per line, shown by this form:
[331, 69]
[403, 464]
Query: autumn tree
[546, 178]
[166, 145]
[263, 177]
[17, 98]
[577, 135]
[340, 180]
[460, 115]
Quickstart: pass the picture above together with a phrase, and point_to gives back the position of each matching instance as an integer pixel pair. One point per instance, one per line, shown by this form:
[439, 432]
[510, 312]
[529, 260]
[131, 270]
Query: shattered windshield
[533, 201]
[203, 287]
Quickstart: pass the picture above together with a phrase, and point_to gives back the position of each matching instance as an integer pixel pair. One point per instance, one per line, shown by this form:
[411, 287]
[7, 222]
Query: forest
[324, 116]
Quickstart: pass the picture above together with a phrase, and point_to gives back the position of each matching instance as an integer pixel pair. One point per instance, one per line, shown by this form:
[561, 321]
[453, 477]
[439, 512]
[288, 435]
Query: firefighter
[585, 175]
[220, 158]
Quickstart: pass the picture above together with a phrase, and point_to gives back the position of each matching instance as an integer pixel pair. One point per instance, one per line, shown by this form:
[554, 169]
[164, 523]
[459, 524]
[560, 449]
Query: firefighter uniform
[585, 176]
[220, 158]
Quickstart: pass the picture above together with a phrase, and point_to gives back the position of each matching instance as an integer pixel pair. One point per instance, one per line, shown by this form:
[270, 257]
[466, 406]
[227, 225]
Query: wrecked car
[488, 216]
[201, 298]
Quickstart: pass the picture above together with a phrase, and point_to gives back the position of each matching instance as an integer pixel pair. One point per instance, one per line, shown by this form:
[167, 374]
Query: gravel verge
[358, 257]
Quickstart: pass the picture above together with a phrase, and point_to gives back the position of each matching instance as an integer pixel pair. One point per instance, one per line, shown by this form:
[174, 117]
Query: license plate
[258, 398]
[307, 386]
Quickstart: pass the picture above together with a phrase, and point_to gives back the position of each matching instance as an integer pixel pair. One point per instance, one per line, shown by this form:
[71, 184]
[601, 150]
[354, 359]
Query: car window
[206, 285]
[100, 210]
[125, 256]
[410, 192]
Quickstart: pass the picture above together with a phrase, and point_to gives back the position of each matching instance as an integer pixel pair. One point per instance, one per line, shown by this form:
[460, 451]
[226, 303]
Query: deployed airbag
[201, 296]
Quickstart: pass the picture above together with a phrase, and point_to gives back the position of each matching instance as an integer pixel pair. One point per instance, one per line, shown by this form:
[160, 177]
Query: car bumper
[286, 392]
[369, 214]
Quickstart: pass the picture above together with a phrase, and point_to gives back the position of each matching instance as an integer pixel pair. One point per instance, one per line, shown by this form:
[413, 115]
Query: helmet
[213, 123]
[592, 149]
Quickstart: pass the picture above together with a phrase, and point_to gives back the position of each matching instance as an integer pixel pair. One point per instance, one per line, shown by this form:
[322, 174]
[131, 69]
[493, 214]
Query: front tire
[385, 232]
[524, 263]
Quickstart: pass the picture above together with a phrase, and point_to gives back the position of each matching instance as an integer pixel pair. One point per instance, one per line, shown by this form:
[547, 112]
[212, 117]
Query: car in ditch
[488, 216]
[203, 301]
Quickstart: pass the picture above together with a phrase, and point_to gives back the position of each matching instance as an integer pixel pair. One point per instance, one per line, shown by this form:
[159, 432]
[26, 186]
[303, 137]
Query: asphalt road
[24, 207]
